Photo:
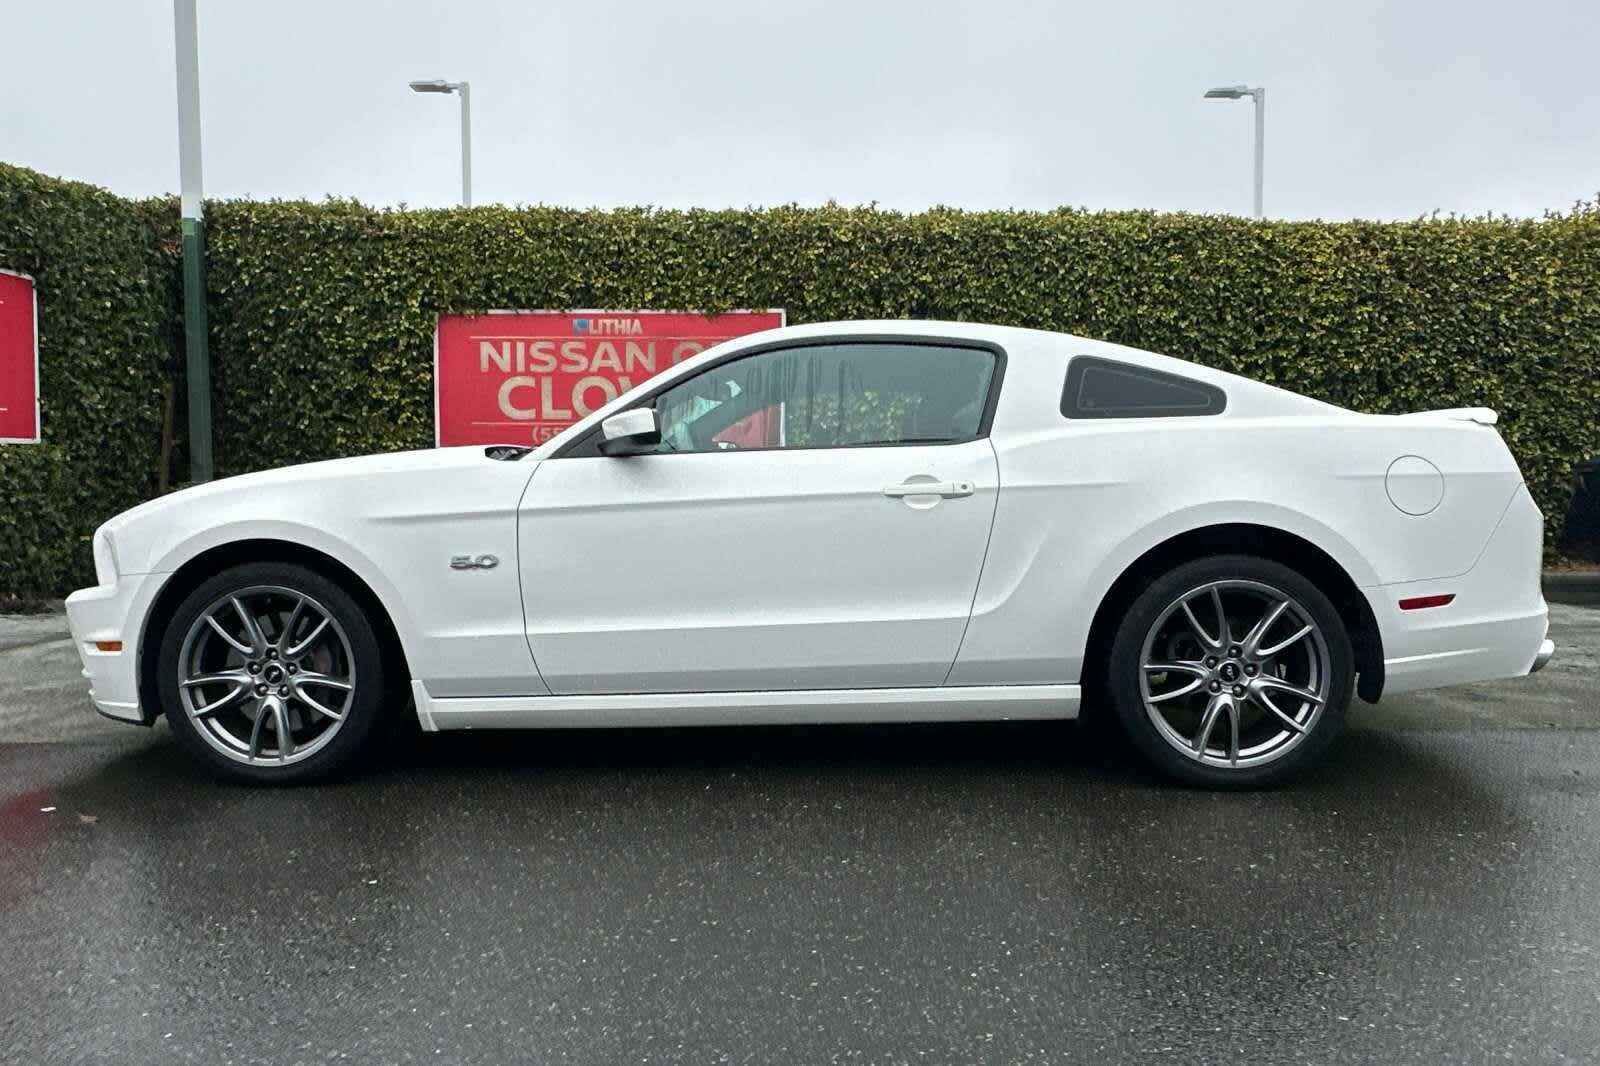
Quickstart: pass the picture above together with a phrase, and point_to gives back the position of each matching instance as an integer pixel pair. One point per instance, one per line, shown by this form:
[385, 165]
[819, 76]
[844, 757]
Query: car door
[816, 517]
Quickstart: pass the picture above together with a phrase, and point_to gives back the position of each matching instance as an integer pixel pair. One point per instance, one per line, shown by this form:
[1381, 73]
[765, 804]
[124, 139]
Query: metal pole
[466, 144]
[193, 230]
[1261, 127]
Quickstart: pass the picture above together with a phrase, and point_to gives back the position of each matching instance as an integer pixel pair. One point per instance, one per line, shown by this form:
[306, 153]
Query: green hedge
[322, 315]
[104, 281]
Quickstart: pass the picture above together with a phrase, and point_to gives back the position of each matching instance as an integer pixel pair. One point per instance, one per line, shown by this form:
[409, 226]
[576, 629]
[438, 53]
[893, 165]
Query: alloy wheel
[1234, 673]
[267, 675]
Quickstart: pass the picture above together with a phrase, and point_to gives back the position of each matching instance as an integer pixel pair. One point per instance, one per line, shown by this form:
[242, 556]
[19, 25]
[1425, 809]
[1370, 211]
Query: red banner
[19, 360]
[521, 377]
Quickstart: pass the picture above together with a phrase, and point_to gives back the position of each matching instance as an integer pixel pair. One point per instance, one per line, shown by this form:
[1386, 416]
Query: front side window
[830, 396]
[1104, 388]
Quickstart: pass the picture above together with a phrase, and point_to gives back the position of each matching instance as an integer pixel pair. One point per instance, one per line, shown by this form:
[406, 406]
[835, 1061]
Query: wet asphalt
[986, 893]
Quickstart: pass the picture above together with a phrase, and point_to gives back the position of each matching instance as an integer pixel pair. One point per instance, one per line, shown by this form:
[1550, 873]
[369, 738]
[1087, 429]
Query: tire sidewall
[367, 701]
[1125, 666]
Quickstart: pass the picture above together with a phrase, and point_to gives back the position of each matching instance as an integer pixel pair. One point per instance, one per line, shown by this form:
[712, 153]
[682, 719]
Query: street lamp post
[464, 90]
[1259, 95]
[192, 229]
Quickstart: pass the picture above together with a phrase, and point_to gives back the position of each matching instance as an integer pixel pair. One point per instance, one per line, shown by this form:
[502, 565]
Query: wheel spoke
[1200, 630]
[244, 649]
[1208, 722]
[1301, 634]
[280, 726]
[1259, 631]
[1222, 618]
[306, 642]
[224, 677]
[1196, 669]
[1175, 693]
[1232, 706]
[1261, 700]
[1279, 685]
[255, 731]
[218, 704]
[317, 705]
[288, 626]
[325, 680]
[252, 628]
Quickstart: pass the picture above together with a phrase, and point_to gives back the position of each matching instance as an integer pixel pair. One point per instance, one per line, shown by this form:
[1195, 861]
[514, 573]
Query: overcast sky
[1375, 109]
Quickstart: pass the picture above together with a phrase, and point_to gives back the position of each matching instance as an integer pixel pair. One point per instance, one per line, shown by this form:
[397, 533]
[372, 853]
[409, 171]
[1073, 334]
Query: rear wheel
[270, 673]
[1231, 672]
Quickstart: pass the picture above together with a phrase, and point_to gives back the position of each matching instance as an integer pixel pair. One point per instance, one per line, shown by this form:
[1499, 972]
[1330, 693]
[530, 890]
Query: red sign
[19, 360]
[521, 377]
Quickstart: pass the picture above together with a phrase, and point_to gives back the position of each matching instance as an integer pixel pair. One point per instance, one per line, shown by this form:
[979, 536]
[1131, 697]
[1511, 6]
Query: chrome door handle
[947, 489]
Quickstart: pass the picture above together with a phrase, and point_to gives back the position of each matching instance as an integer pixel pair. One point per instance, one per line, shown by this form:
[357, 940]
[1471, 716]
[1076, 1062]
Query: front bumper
[109, 614]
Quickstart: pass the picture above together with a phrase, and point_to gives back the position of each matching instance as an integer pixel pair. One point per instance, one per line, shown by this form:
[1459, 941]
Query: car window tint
[1102, 388]
[830, 396]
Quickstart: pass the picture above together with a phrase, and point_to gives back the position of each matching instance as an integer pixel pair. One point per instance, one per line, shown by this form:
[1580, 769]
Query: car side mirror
[630, 432]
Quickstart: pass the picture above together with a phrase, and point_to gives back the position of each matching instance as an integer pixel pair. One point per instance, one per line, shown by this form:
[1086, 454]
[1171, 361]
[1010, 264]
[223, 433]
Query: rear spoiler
[1483, 416]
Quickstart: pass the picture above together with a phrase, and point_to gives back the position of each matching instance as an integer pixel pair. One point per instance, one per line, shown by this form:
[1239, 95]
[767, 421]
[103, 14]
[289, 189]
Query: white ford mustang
[847, 522]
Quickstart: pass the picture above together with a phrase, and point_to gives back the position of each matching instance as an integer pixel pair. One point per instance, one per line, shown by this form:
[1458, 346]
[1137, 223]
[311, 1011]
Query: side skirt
[976, 703]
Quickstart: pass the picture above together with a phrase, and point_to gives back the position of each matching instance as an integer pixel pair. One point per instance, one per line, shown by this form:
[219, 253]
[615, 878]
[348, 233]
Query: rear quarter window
[1105, 388]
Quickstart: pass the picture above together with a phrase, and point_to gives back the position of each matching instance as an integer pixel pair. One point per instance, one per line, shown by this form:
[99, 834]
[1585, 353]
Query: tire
[1305, 684]
[312, 663]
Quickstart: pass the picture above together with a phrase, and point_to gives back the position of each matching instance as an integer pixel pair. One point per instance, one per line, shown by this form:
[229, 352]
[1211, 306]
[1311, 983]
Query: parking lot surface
[986, 893]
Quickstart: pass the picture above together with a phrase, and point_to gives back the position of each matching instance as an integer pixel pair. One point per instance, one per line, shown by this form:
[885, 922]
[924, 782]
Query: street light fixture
[464, 90]
[1259, 95]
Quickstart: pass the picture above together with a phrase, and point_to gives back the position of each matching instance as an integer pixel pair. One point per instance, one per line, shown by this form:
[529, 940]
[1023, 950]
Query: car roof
[1055, 347]
[1018, 341]
[1246, 395]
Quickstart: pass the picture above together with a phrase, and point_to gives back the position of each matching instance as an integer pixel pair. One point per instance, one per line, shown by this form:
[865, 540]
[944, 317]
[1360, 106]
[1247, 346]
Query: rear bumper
[1463, 652]
[1494, 627]
[109, 614]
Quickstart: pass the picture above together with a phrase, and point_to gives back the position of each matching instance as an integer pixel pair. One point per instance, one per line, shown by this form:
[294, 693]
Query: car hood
[139, 531]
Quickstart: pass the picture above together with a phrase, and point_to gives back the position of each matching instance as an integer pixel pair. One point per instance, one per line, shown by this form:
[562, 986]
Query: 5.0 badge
[474, 562]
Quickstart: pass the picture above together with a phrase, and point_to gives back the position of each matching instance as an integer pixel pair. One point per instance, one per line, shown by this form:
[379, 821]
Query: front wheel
[1231, 672]
[270, 673]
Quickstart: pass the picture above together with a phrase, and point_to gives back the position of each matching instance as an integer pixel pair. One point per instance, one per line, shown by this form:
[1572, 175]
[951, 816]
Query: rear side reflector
[108, 645]
[1417, 603]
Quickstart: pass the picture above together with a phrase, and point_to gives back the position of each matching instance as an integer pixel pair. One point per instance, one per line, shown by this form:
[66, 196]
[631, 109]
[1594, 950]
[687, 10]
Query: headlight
[105, 558]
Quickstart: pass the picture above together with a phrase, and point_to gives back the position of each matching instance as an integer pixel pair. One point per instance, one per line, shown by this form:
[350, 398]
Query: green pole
[197, 349]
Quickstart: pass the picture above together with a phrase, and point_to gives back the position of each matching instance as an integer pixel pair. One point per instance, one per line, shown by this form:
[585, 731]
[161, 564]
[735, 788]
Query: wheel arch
[1246, 538]
[213, 560]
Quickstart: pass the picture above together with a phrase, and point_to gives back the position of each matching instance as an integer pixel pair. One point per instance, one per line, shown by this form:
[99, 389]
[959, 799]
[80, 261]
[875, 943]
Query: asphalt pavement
[985, 893]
